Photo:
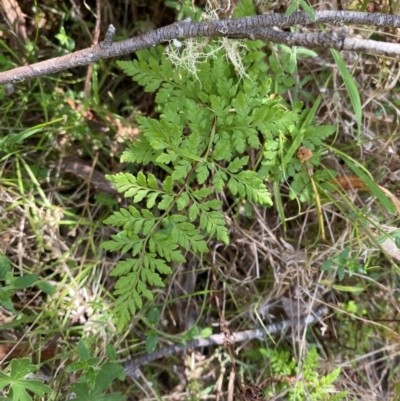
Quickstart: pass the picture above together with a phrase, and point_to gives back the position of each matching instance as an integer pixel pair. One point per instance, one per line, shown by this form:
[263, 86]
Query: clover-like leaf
[17, 382]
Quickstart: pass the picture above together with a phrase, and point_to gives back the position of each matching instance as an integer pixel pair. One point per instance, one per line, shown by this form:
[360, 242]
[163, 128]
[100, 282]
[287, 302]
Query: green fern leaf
[253, 187]
[202, 193]
[150, 70]
[123, 267]
[139, 152]
[202, 172]
[237, 164]
[314, 136]
[181, 170]
[131, 286]
[142, 73]
[165, 247]
[213, 221]
[122, 182]
[165, 93]
[193, 143]
[214, 204]
[121, 241]
[223, 149]
[151, 200]
[163, 268]
[241, 105]
[219, 106]
[168, 185]
[182, 201]
[186, 235]
[166, 158]
[136, 187]
[301, 186]
[166, 202]
[245, 8]
[219, 180]
[330, 377]
[123, 313]
[161, 133]
[132, 220]
[239, 141]
[226, 88]
[252, 138]
[272, 118]
[123, 217]
[193, 212]
[235, 186]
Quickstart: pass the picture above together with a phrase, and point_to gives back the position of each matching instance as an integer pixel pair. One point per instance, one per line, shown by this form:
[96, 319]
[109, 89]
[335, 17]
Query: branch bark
[334, 39]
[248, 27]
[130, 367]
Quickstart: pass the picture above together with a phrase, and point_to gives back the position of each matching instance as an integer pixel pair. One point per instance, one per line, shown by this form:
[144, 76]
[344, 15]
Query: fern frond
[140, 152]
[249, 185]
[201, 139]
[122, 241]
[202, 172]
[146, 74]
[166, 247]
[213, 221]
[136, 274]
[271, 118]
[314, 136]
[151, 69]
[186, 235]
[219, 180]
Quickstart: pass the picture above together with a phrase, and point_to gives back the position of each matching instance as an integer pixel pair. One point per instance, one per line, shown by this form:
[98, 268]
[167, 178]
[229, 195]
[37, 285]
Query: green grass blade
[12, 139]
[307, 8]
[300, 134]
[279, 205]
[352, 90]
[293, 147]
[365, 176]
[348, 288]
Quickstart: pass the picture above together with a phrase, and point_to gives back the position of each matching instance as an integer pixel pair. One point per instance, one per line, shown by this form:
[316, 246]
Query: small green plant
[309, 383]
[280, 360]
[94, 377]
[18, 384]
[216, 133]
[11, 283]
[184, 8]
[151, 335]
[315, 386]
[394, 236]
[343, 262]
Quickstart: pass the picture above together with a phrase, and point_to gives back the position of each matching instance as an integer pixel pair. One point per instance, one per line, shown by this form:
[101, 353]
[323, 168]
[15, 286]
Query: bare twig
[109, 36]
[131, 366]
[248, 27]
[336, 39]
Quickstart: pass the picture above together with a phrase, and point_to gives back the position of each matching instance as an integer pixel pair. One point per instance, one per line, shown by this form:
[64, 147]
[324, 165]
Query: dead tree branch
[131, 366]
[336, 39]
[248, 27]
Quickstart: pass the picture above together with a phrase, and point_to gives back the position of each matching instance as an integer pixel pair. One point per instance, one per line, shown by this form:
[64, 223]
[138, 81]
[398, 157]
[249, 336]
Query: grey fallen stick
[131, 366]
